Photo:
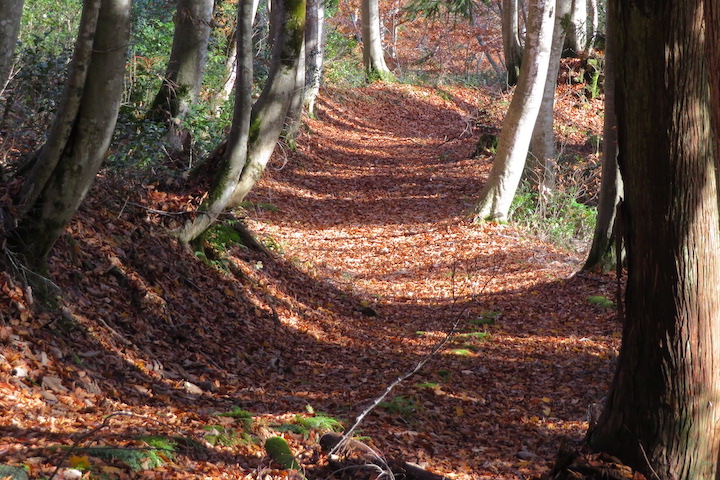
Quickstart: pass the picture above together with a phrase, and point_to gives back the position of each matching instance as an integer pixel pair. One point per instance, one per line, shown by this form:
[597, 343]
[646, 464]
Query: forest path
[374, 206]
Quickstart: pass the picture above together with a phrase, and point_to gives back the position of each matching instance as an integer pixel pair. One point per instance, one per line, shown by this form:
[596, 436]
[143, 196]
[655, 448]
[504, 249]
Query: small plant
[158, 451]
[485, 318]
[219, 435]
[600, 301]
[400, 405]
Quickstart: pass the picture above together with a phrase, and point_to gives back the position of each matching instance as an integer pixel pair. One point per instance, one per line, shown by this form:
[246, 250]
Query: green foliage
[559, 218]
[601, 301]
[463, 352]
[220, 435]
[243, 416]
[343, 64]
[485, 318]
[13, 473]
[279, 450]
[401, 405]
[427, 385]
[159, 450]
[320, 422]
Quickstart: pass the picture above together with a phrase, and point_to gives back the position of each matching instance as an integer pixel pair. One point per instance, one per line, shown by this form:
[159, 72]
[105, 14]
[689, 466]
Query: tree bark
[314, 52]
[512, 49]
[662, 415]
[236, 150]
[68, 163]
[373, 56]
[497, 195]
[576, 37]
[188, 56]
[271, 109]
[542, 144]
[602, 256]
[10, 15]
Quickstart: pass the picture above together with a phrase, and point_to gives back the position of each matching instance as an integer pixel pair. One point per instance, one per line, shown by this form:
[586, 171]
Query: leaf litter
[369, 214]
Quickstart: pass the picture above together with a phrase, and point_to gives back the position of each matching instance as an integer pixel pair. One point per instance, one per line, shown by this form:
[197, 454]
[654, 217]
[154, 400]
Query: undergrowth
[556, 217]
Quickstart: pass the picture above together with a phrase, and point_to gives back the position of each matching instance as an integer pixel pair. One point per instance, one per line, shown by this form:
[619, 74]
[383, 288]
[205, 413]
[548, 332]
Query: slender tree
[542, 144]
[662, 415]
[186, 66]
[512, 48]
[10, 15]
[373, 56]
[517, 128]
[67, 164]
[314, 52]
[577, 26]
[602, 256]
[254, 133]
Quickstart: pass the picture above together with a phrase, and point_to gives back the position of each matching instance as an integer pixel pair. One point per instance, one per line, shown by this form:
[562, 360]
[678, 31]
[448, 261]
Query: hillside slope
[369, 261]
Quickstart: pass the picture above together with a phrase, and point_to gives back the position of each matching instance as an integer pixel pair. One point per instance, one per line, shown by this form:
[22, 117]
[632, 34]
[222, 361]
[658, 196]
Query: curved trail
[372, 214]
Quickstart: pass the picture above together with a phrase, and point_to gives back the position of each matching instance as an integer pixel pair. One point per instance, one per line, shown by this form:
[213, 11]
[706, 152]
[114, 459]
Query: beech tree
[373, 56]
[542, 144]
[66, 165]
[314, 52]
[186, 66]
[662, 414]
[499, 190]
[10, 15]
[254, 133]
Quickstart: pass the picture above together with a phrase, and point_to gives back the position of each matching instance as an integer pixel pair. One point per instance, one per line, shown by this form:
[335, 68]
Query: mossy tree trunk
[10, 15]
[662, 415]
[186, 66]
[602, 256]
[255, 131]
[235, 155]
[67, 164]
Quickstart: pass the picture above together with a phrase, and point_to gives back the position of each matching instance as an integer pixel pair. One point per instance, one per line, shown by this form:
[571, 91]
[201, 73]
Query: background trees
[10, 13]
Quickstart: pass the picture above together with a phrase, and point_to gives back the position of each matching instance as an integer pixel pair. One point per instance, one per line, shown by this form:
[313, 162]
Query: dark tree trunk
[662, 415]
[512, 49]
[68, 163]
[602, 255]
[188, 57]
[10, 14]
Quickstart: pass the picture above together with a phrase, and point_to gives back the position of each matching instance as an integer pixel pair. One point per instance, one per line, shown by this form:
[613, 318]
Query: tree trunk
[512, 48]
[662, 415]
[577, 29]
[183, 77]
[58, 182]
[314, 52]
[517, 128]
[293, 122]
[602, 256]
[235, 155]
[271, 109]
[10, 15]
[542, 145]
[373, 57]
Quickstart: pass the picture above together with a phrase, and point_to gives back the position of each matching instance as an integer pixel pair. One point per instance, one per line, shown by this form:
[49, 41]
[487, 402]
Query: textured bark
[512, 48]
[271, 109]
[293, 122]
[497, 195]
[662, 415]
[188, 56]
[373, 57]
[542, 145]
[576, 38]
[10, 14]
[314, 52]
[235, 155]
[602, 256]
[62, 190]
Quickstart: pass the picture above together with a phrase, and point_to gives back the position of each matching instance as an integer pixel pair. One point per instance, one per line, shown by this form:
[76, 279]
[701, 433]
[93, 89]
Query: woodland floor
[368, 216]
